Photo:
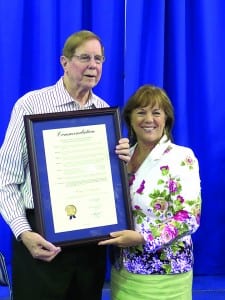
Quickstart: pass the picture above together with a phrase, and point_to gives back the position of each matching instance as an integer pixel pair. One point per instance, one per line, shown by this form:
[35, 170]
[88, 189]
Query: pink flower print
[188, 162]
[172, 185]
[181, 215]
[164, 169]
[149, 237]
[198, 218]
[197, 213]
[137, 207]
[131, 179]
[167, 149]
[160, 204]
[157, 206]
[180, 198]
[141, 187]
[169, 232]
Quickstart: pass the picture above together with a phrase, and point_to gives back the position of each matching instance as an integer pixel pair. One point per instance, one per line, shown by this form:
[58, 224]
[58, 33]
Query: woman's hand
[124, 238]
[122, 149]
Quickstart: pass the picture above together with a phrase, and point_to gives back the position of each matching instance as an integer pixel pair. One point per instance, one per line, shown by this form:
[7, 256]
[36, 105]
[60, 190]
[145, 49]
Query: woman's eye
[140, 112]
[156, 113]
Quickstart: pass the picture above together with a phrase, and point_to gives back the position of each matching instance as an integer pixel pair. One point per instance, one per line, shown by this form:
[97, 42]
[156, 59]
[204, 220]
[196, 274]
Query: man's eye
[85, 57]
[98, 58]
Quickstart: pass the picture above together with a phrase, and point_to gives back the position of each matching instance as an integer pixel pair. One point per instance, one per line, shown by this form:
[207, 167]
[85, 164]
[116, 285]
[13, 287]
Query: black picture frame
[50, 194]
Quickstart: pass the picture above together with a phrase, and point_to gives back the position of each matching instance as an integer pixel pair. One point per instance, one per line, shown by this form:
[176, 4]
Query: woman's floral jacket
[166, 202]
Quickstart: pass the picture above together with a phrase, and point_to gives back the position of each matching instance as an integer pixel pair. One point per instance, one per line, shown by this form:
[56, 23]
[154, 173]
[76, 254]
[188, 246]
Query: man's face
[84, 74]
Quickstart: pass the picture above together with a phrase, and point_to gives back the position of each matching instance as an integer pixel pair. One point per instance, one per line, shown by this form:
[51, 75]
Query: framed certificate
[79, 184]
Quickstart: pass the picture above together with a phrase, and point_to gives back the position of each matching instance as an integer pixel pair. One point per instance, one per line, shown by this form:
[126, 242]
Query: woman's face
[84, 74]
[148, 123]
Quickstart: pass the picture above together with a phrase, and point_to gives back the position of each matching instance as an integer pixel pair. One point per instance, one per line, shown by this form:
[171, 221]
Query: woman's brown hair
[149, 95]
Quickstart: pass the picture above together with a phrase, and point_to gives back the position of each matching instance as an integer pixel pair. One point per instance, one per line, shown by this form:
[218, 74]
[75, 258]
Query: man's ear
[63, 61]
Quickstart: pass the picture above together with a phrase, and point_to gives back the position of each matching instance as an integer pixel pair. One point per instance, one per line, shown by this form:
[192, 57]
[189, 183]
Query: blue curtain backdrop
[178, 45]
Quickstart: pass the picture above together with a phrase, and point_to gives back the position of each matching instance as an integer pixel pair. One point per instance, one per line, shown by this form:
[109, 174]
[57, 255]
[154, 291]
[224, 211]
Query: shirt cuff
[19, 225]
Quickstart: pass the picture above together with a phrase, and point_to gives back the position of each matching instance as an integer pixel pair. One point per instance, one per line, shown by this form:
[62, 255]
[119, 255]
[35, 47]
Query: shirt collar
[64, 97]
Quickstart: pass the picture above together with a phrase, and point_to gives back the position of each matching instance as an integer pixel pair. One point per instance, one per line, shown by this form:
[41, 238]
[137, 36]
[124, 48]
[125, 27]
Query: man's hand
[38, 247]
[122, 149]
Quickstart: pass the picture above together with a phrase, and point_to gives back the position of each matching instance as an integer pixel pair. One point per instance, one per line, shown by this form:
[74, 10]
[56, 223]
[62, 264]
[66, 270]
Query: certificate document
[80, 179]
[79, 185]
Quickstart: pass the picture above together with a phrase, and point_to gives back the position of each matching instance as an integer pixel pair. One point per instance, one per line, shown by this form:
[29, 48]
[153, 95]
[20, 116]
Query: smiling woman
[150, 112]
[166, 203]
